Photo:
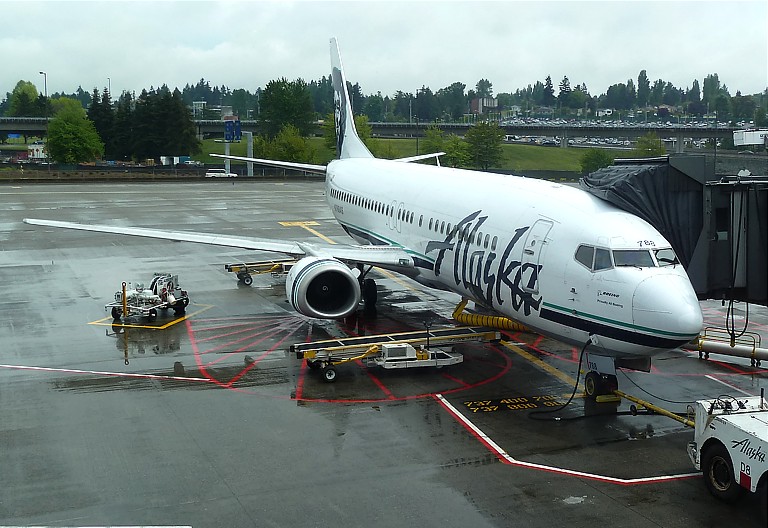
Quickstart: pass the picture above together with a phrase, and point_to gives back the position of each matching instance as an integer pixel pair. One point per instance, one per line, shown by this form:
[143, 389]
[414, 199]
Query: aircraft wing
[317, 169]
[387, 256]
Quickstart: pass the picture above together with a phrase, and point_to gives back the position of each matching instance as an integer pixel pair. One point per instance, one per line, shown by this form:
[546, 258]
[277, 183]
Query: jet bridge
[717, 225]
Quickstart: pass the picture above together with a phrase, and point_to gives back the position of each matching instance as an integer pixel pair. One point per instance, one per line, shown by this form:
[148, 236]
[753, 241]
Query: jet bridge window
[640, 258]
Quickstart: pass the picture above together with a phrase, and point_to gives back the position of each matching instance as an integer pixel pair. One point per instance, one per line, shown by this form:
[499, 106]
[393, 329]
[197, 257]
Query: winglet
[348, 143]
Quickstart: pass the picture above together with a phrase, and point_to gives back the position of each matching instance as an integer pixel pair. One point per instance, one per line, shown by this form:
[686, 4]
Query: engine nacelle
[322, 287]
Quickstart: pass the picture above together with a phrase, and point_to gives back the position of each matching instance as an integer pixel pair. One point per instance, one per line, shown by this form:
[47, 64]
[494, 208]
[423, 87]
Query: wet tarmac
[208, 421]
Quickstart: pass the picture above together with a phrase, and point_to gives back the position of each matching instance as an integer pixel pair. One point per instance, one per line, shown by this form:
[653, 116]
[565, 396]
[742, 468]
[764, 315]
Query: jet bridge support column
[249, 146]
[679, 143]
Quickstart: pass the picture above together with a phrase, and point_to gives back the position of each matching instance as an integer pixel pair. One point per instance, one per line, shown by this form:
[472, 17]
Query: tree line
[158, 122]
[451, 103]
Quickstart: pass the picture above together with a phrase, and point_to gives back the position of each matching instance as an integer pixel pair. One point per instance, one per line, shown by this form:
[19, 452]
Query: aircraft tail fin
[348, 143]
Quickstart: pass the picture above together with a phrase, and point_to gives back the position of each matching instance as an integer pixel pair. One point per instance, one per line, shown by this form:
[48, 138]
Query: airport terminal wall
[716, 224]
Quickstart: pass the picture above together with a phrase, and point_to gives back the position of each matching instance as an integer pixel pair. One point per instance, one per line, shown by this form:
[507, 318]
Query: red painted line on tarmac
[729, 366]
[196, 353]
[257, 360]
[505, 458]
[299, 395]
[456, 380]
[377, 381]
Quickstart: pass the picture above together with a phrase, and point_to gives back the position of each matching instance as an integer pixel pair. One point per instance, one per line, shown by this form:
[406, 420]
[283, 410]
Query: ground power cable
[534, 415]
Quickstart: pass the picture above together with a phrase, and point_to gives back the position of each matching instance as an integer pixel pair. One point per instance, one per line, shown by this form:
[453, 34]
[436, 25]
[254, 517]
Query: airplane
[552, 257]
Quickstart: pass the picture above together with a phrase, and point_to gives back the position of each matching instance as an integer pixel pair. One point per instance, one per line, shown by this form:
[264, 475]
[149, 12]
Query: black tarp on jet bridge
[717, 226]
[657, 192]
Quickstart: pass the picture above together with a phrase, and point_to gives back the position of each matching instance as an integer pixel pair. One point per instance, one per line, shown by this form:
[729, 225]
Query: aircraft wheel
[329, 374]
[593, 384]
[718, 474]
[116, 312]
[370, 293]
[247, 280]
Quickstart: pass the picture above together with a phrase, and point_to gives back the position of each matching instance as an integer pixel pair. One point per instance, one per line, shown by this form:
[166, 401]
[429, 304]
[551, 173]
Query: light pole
[45, 84]
[109, 87]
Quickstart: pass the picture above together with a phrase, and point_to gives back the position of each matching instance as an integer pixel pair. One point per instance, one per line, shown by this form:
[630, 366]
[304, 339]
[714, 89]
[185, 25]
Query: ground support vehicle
[730, 446]
[245, 270]
[163, 293]
[391, 351]
[404, 355]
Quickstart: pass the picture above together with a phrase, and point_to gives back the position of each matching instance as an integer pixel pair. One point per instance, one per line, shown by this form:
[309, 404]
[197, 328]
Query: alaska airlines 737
[555, 258]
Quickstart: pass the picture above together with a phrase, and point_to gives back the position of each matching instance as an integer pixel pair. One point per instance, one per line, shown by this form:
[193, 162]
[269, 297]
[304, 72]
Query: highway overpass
[35, 126]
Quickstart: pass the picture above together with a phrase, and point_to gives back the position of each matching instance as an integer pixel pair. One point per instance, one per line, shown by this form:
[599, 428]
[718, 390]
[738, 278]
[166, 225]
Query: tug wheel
[593, 384]
[717, 467]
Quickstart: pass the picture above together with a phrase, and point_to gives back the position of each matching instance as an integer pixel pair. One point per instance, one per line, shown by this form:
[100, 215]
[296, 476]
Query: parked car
[219, 173]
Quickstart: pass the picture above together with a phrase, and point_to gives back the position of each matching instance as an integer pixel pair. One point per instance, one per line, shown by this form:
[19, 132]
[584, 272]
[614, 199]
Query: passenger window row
[435, 225]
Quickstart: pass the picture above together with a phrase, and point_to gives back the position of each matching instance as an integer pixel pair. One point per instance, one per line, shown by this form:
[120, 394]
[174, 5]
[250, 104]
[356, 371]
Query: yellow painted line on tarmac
[307, 226]
[108, 321]
[565, 378]
[397, 279]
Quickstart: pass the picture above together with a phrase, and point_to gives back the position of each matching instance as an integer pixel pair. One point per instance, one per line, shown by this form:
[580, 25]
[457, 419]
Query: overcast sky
[386, 46]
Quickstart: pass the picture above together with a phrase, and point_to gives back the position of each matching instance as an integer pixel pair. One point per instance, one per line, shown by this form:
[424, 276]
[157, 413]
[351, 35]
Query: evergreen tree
[122, 137]
[484, 88]
[484, 141]
[564, 97]
[286, 103]
[548, 97]
[102, 116]
[643, 89]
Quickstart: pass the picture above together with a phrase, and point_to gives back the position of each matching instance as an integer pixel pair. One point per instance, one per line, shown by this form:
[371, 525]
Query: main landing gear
[368, 289]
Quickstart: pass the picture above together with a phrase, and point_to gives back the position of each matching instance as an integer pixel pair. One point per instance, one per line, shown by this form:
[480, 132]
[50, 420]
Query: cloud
[386, 46]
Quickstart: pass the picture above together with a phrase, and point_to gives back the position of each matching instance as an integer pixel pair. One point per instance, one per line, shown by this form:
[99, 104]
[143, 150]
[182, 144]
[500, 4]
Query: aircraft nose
[668, 305]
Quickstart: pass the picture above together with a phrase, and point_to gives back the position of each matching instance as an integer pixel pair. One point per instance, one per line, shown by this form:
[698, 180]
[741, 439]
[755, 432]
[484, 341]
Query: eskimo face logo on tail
[339, 108]
[476, 268]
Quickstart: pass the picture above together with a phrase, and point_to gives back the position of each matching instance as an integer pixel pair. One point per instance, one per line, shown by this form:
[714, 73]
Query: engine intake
[322, 287]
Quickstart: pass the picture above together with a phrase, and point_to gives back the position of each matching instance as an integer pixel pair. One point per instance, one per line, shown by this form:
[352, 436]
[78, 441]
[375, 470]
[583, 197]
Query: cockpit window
[584, 255]
[640, 258]
[666, 257]
[602, 259]
[594, 259]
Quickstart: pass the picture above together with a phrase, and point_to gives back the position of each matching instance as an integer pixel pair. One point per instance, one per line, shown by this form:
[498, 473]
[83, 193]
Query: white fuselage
[510, 244]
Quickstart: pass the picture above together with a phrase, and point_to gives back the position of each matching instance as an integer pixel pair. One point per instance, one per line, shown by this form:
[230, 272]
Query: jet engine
[322, 287]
